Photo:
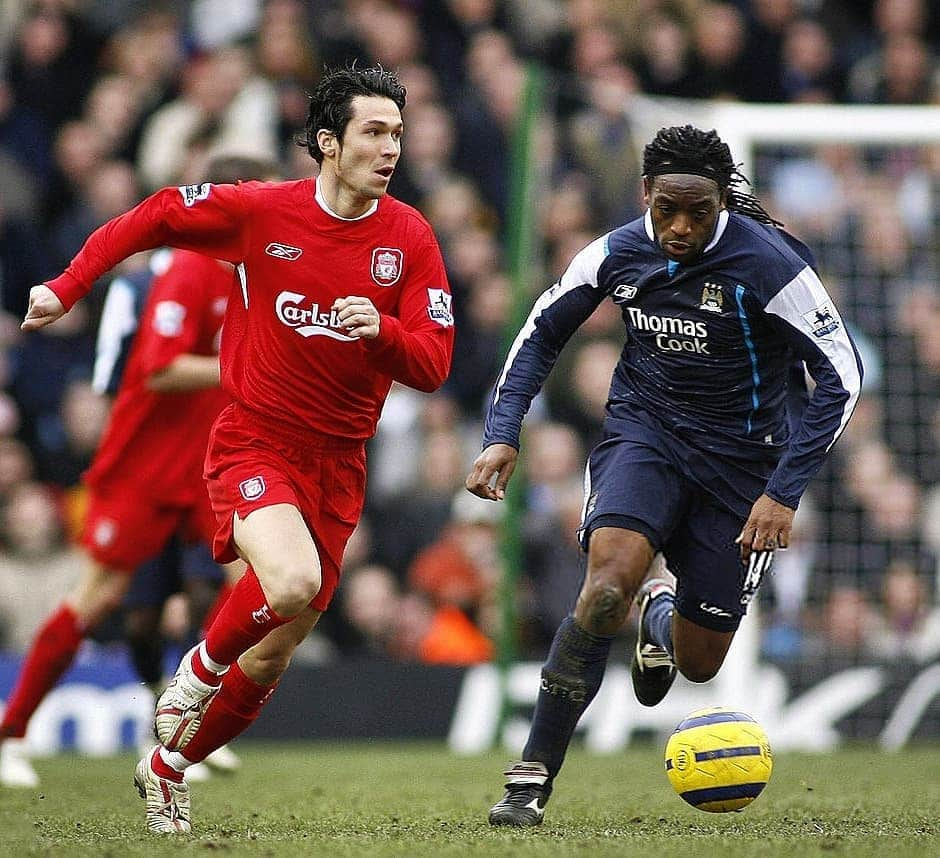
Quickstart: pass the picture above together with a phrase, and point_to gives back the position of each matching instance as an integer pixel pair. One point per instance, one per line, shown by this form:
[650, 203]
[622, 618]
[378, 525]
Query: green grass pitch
[377, 799]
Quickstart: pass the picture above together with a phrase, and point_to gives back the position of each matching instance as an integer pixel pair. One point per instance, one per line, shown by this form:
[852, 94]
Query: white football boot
[182, 706]
[16, 769]
[167, 801]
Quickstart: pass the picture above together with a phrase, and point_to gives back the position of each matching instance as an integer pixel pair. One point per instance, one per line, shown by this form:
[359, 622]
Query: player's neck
[337, 200]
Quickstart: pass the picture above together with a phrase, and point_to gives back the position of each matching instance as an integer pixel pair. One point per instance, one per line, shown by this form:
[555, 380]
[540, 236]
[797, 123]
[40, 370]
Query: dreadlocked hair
[687, 149]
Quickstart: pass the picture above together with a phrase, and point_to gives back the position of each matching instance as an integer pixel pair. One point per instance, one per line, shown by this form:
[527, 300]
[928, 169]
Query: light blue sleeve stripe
[752, 353]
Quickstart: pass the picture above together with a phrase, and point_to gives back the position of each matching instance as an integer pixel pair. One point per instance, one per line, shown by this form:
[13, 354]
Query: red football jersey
[284, 354]
[158, 440]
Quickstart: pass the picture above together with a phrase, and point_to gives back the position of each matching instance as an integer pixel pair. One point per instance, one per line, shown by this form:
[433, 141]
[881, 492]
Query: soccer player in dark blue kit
[698, 460]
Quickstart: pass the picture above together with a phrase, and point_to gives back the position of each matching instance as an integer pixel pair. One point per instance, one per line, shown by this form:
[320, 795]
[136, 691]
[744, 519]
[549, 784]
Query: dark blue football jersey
[710, 347]
[120, 316]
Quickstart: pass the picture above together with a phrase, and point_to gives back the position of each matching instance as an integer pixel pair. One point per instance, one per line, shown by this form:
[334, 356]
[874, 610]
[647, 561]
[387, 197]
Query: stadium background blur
[104, 101]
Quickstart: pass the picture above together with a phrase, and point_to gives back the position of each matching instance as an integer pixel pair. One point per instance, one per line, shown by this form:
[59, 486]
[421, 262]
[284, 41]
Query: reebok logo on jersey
[439, 307]
[822, 320]
[308, 321]
[625, 291]
[191, 194]
[387, 265]
[252, 488]
[283, 251]
[262, 615]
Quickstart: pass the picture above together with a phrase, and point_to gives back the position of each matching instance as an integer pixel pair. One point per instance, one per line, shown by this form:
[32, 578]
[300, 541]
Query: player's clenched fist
[358, 316]
[497, 460]
[44, 308]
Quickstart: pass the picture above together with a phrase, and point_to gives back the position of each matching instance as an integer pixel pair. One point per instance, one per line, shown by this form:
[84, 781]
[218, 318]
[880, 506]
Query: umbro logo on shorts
[283, 251]
[714, 610]
[252, 488]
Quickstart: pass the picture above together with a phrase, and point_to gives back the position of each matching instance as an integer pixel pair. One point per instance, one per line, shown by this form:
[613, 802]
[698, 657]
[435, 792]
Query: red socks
[162, 769]
[242, 621]
[50, 655]
[235, 707]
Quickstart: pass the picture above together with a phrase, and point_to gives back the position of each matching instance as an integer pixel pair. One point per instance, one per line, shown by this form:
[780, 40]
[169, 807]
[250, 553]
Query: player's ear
[326, 140]
[647, 189]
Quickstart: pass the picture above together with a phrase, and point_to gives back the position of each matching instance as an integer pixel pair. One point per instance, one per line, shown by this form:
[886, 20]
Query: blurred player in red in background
[183, 567]
[145, 482]
[341, 291]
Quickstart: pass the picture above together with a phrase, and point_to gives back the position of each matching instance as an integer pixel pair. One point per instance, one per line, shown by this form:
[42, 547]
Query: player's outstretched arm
[44, 308]
[497, 460]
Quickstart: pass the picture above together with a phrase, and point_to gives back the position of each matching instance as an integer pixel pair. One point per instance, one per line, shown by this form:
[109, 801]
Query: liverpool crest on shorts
[713, 298]
[386, 265]
[252, 488]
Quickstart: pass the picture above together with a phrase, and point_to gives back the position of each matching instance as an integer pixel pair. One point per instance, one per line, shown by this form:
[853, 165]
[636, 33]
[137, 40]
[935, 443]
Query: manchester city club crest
[386, 265]
[713, 298]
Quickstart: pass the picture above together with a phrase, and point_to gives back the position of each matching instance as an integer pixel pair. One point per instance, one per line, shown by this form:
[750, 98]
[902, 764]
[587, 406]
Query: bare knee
[699, 652]
[603, 605]
[265, 668]
[617, 562]
[269, 658]
[696, 669]
[290, 586]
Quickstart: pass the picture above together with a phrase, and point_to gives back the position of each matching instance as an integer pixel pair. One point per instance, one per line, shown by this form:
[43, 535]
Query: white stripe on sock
[214, 666]
[175, 760]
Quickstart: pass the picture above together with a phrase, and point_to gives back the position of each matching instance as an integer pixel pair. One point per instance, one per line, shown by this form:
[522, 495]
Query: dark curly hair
[331, 101]
[687, 149]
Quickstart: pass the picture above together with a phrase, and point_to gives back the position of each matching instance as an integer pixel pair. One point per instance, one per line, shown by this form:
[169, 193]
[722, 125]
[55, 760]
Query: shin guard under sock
[571, 677]
[238, 703]
[242, 621]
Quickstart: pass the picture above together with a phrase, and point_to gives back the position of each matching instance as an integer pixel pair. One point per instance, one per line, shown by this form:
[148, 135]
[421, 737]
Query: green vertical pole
[520, 251]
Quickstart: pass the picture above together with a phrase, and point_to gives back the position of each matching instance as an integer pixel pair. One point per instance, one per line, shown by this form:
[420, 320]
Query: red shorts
[124, 528]
[251, 464]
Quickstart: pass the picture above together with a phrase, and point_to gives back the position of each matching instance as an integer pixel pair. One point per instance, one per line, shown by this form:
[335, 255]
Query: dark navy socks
[571, 676]
[658, 622]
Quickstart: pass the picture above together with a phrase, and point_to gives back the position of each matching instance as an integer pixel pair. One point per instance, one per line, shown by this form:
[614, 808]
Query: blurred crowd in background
[104, 101]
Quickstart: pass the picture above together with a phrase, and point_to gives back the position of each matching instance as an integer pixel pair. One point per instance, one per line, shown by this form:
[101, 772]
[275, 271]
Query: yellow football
[718, 759]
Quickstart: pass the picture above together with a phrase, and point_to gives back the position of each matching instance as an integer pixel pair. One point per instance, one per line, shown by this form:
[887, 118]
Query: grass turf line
[378, 799]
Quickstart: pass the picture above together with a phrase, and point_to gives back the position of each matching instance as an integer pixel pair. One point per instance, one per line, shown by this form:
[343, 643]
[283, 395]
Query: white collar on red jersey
[326, 207]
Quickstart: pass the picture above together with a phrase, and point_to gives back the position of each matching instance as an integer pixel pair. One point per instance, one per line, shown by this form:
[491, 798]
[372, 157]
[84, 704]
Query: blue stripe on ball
[714, 718]
[718, 753]
[726, 793]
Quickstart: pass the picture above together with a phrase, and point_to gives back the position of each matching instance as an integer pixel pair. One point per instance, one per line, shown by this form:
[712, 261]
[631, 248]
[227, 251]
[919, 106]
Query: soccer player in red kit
[341, 291]
[145, 482]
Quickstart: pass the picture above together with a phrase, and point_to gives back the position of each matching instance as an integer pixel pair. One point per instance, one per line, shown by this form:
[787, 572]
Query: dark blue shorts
[158, 579]
[689, 504]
